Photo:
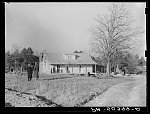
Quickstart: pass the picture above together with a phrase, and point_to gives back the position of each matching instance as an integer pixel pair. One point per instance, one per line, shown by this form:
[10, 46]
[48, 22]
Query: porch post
[95, 68]
[72, 69]
[66, 69]
[79, 69]
[86, 69]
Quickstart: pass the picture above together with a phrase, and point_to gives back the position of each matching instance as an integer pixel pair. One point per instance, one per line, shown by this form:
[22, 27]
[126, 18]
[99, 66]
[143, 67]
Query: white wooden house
[74, 63]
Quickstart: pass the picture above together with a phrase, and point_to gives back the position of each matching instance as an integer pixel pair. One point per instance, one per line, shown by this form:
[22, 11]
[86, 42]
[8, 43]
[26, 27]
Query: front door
[58, 68]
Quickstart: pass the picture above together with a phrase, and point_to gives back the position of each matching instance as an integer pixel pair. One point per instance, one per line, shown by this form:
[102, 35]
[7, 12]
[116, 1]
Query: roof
[84, 59]
[58, 58]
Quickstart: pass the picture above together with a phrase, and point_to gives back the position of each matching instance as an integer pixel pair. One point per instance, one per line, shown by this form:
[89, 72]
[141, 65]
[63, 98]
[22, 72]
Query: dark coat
[29, 71]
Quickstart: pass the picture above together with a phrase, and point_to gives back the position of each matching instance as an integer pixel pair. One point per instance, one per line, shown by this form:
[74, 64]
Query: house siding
[76, 69]
[89, 68]
[83, 69]
[45, 67]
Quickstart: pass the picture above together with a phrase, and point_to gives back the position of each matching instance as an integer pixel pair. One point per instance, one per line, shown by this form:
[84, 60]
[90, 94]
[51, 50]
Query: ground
[123, 94]
[69, 90]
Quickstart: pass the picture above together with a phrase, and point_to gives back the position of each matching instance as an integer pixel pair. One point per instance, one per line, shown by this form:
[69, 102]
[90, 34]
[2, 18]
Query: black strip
[146, 11]
[80, 109]
[146, 53]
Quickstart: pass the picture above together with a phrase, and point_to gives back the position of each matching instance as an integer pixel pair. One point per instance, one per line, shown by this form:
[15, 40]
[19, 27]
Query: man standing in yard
[29, 71]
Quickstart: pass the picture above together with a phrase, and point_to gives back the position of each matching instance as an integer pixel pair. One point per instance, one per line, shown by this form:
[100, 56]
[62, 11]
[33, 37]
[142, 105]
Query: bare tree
[114, 31]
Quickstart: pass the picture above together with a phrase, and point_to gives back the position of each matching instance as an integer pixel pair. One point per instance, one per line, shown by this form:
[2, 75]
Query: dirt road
[123, 94]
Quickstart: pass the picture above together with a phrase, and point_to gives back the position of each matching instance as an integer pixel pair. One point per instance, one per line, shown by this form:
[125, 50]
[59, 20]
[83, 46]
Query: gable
[84, 59]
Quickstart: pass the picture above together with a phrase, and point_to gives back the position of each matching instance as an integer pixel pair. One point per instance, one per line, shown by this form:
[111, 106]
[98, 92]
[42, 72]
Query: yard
[68, 91]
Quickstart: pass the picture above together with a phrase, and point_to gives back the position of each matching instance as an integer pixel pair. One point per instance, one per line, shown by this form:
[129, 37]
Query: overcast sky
[60, 27]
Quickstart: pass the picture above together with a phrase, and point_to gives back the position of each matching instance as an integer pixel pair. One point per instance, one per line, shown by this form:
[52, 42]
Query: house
[74, 63]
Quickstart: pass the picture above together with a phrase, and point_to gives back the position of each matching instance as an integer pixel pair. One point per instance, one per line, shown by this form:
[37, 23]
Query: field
[69, 91]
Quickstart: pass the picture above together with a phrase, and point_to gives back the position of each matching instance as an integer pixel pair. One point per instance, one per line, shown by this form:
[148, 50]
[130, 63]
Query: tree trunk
[117, 69]
[108, 69]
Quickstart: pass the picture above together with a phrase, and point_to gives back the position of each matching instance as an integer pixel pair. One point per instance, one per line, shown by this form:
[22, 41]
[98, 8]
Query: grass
[19, 83]
[67, 92]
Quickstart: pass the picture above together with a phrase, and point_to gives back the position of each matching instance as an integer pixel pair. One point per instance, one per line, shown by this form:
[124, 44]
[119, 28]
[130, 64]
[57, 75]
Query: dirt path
[124, 94]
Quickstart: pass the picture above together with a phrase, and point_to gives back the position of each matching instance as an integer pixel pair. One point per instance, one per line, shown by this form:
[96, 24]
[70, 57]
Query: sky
[60, 27]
